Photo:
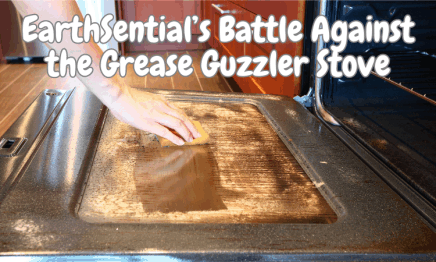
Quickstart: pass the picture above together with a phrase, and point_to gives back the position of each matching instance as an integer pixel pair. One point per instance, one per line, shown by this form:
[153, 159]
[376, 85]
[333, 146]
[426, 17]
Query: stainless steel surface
[405, 88]
[11, 39]
[244, 175]
[318, 82]
[32, 127]
[38, 215]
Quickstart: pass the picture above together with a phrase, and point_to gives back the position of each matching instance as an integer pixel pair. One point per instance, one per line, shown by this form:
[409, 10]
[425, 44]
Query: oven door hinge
[306, 100]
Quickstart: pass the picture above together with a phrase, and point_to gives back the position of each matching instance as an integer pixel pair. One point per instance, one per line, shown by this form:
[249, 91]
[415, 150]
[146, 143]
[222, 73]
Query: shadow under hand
[179, 179]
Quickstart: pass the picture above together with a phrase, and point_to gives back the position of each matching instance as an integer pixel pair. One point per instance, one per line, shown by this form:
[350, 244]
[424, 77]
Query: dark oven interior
[394, 118]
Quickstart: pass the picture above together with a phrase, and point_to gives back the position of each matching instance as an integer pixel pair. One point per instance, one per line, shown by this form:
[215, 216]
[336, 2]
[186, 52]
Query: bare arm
[140, 109]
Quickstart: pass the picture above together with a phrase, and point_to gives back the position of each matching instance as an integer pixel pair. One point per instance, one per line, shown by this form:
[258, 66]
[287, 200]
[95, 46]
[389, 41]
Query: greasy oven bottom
[245, 175]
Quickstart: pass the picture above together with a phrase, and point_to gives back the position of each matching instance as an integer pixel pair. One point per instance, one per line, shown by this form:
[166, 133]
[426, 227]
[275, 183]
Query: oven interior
[394, 118]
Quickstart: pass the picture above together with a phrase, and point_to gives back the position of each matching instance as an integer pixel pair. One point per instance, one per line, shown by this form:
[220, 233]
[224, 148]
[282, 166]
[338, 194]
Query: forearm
[107, 90]
[143, 110]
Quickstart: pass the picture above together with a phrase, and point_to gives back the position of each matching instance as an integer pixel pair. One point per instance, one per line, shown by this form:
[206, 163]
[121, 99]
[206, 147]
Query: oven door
[273, 183]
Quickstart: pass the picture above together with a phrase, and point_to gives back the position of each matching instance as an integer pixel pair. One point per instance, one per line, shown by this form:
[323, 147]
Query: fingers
[172, 110]
[174, 123]
[153, 114]
[160, 104]
[160, 130]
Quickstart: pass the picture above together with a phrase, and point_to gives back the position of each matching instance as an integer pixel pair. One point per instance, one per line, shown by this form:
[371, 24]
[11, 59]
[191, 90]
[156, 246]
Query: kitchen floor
[20, 84]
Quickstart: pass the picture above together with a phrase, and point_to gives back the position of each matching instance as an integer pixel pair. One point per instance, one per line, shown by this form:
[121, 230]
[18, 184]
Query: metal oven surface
[46, 185]
[244, 175]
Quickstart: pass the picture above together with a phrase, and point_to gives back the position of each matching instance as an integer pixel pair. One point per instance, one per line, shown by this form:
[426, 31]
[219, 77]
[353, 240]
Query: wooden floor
[20, 84]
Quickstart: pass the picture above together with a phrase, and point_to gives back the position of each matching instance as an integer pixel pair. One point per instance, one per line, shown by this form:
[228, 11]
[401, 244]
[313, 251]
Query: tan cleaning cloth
[204, 139]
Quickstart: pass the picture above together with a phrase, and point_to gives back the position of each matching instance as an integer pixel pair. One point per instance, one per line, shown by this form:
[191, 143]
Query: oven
[387, 120]
[279, 180]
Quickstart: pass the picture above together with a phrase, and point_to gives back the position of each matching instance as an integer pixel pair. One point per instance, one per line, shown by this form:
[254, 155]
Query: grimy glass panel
[244, 175]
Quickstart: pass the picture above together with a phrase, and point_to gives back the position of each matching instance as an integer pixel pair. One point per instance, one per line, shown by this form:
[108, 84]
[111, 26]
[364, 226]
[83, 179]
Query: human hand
[153, 113]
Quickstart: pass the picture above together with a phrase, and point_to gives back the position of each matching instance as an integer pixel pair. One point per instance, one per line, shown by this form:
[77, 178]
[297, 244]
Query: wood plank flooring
[20, 84]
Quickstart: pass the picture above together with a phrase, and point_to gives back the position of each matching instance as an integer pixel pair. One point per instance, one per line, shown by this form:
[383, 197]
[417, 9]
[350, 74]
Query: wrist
[110, 92]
